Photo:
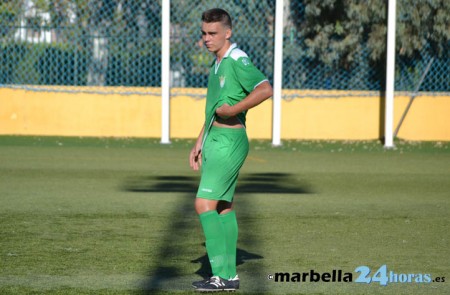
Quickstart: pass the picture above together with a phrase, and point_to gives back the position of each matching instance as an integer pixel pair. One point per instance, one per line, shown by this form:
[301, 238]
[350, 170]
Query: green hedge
[42, 64]
[61, 66]
[10, 57]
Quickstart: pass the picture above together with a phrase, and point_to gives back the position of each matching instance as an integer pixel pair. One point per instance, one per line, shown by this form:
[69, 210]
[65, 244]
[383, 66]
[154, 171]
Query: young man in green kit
[235, 85]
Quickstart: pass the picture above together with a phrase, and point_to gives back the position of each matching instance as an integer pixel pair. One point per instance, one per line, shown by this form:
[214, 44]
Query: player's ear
[228, 33]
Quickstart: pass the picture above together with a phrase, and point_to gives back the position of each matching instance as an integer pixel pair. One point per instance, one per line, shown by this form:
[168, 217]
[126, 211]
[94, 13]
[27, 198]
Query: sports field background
[115, 216]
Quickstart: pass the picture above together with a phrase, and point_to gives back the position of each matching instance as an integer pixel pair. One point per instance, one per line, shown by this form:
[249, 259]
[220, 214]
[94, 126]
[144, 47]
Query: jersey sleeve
[248, 75]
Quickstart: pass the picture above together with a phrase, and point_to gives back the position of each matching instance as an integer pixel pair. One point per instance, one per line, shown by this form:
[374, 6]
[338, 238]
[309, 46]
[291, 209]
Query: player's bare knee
[204, 205]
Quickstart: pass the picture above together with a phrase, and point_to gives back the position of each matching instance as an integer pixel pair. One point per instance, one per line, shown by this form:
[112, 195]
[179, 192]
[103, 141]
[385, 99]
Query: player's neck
[221, 53]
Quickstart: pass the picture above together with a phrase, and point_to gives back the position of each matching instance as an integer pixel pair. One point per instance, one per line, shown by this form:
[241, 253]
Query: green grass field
[115, 216]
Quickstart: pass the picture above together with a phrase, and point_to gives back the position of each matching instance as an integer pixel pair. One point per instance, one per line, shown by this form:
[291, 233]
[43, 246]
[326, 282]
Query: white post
[165, 73]
[277, 74]
[390, 76]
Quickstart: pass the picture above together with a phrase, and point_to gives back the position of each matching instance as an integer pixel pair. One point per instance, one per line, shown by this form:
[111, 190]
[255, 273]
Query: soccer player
[235, 85]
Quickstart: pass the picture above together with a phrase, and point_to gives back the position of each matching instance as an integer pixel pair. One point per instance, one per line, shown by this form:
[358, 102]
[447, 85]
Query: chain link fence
[90, 44]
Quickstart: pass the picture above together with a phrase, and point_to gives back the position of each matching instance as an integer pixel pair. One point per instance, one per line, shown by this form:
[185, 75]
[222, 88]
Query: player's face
[215, 36]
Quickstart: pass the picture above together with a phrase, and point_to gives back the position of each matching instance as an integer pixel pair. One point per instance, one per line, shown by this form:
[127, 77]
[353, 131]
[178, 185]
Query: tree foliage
[10, 11]
[338, 44]
[335, 31]
[421, 24]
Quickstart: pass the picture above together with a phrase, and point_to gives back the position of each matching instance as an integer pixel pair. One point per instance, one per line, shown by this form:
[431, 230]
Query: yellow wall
[343, 117]
[428, 118]
[69, 114]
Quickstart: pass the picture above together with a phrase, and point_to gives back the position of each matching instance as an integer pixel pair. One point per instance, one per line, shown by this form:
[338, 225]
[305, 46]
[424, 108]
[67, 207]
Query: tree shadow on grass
[166, 275]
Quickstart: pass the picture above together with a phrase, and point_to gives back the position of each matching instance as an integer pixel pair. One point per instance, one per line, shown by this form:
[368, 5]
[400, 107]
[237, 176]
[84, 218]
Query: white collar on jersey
[217, 65]
[233, 46]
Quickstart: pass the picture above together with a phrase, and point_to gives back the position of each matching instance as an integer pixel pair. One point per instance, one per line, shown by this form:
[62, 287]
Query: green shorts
[223, 154]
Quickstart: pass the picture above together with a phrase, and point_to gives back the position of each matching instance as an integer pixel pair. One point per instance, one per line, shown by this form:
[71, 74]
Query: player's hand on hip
[225, 111]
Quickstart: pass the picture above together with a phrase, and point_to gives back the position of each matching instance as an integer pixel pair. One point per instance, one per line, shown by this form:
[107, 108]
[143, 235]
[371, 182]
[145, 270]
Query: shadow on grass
[169, 271]
[205, 267]
[266, 183]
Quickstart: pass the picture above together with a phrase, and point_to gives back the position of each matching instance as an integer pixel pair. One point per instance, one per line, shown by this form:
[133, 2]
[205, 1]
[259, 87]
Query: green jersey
[230, 81]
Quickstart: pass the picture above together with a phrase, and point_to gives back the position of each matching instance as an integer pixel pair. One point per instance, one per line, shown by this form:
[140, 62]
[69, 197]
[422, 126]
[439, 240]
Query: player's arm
[261, 92]
[195, 157]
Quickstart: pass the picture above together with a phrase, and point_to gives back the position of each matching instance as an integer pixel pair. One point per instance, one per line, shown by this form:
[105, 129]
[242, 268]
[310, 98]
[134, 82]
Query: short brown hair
[217, 15]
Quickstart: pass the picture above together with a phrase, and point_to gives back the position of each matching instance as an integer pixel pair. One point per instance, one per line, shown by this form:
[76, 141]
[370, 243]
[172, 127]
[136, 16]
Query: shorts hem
[214, 198]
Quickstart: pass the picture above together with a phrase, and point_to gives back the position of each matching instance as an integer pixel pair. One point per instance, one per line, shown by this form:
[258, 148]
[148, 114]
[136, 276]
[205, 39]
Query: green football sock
[215, 243]
[230, 227]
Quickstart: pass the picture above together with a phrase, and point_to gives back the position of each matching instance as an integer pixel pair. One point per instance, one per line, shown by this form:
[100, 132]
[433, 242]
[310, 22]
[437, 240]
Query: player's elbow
[268, 90]
[265, 89]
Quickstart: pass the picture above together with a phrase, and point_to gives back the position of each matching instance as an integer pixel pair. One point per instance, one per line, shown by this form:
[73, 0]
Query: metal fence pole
[277, 74]
[165, 73]
[390, 76]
